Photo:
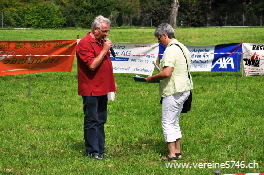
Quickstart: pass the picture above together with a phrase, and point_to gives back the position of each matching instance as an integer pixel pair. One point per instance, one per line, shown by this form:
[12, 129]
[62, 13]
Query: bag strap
[184, 57]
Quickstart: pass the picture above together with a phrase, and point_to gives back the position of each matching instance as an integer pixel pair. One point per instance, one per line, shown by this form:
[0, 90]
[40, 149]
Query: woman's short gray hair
[100, 20]
[164, 28]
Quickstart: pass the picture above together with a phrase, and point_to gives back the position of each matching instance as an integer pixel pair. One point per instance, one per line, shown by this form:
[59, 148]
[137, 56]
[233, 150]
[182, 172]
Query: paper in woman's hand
[139, 78]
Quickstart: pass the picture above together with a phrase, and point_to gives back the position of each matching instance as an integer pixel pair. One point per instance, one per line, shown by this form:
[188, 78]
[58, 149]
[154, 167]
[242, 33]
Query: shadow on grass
[78, 147]
[149, 146]
[145, 145]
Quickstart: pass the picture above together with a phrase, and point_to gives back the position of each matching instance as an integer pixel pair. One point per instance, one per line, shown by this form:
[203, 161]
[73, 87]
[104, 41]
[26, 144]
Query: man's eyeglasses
[105, 31]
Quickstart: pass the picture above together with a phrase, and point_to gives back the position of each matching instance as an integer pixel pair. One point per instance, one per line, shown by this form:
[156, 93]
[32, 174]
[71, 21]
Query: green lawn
[188, 36]
[43, 134]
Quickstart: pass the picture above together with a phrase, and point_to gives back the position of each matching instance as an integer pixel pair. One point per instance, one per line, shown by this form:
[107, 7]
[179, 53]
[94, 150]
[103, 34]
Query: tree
[155, 11]
[44, 15]
[174, 13]
[209, 13]
[81, 13]
[193, 13]
[126, 12]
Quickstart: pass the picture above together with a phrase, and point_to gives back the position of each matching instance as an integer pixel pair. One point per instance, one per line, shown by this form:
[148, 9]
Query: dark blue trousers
[95, 111]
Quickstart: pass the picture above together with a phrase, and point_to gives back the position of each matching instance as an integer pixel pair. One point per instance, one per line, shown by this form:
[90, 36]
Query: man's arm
[97, 60]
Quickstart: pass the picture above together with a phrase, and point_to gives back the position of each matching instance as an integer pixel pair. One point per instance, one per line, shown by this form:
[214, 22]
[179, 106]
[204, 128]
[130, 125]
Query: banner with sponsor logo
[22, 57]
[253, 59]
[136, 58]
[214, 58]
[227, 58]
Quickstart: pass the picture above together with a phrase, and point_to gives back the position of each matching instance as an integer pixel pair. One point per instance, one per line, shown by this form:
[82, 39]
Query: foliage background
[80, 13]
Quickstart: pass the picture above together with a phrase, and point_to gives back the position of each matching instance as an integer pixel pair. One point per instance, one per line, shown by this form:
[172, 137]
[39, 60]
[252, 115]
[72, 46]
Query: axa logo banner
[253, 59]
[218, 58]
[227, 58]
[23, 57]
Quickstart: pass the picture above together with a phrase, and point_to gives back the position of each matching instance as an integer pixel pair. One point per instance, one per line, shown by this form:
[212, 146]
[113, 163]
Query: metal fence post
[2, 19]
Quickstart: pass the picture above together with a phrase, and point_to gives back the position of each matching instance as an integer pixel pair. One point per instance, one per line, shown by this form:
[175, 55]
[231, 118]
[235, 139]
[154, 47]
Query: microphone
[111, 49]
[112, 52]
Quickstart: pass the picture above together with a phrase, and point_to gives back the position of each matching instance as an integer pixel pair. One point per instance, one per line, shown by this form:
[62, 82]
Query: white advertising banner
[136, 58]
[201, 58]
[253, 59]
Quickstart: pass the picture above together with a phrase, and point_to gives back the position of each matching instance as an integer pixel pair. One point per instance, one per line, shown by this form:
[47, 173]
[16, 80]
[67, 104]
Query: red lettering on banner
[36, 45]
[22, 57]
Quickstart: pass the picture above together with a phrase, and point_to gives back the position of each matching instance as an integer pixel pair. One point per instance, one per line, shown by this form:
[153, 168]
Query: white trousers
[171, 110]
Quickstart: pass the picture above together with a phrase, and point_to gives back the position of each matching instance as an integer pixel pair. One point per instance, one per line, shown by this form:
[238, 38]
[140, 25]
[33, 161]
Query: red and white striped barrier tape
[9, 55]
[246, 174]
[74, 55]
[35, 55]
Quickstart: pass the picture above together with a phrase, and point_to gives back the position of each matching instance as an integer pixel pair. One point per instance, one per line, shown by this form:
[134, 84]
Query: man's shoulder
[84, 41]
[86, 38]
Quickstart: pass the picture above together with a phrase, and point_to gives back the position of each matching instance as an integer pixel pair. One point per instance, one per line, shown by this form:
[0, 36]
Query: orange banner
[23, 57]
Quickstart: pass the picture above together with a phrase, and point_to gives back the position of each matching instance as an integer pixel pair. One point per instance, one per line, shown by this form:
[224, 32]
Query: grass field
[188, 36]
[43, 134]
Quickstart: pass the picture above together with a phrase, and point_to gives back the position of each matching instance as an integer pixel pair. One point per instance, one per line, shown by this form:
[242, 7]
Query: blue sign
[227, 58]
[161, 50]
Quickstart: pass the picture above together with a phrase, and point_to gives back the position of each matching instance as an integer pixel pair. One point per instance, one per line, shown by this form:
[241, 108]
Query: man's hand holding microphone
[107, 40]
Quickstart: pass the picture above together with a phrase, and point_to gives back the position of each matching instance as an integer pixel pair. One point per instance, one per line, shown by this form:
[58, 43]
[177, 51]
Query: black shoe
[170, 159]
[96, 157]
[178, 155]
[104, 155]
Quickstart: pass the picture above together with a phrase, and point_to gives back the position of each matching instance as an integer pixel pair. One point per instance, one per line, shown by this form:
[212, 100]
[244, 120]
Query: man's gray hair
[99, 20]
[164, 28]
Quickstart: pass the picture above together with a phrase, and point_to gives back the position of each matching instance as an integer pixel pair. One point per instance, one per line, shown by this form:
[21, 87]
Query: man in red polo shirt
[95, 80]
